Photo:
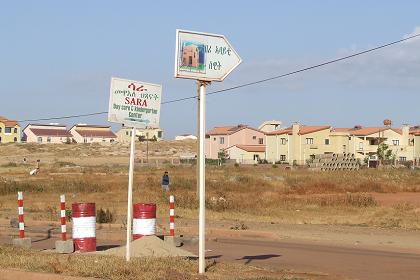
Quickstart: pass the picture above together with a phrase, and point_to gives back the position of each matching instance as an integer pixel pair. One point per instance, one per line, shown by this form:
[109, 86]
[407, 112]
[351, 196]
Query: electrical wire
[251, 83]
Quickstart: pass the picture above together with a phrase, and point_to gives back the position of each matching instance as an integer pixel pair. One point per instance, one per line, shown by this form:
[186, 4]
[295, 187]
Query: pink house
[83, 133]
[221, 138]
[46, 133]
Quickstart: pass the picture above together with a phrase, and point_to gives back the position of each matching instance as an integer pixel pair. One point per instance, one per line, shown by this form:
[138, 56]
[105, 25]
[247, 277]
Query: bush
[104, 216]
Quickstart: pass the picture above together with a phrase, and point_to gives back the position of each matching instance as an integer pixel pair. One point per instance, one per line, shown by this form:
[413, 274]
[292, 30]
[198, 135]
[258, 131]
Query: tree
[384, 152]
[222, 156]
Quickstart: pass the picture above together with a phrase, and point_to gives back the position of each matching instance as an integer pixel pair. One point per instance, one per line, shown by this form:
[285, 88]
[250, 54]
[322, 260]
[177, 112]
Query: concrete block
[22, 242]
[64, 247]
[173, 240]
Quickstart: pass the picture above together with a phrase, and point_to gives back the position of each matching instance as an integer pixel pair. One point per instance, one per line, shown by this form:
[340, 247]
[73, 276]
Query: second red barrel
[84, 226]
[144, 219]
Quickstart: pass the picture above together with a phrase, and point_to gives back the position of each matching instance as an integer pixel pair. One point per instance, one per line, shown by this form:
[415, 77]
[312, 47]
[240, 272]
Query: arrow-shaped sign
[204, 56]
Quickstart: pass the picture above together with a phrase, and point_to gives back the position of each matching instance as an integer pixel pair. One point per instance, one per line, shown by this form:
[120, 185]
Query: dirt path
[11, 274]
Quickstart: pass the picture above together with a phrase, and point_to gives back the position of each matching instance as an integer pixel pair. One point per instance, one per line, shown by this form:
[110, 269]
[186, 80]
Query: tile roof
[304, 129]
[227, 130]
[251, 148]
[50, 132]
[364, 131]
[8, 122]
[96, 133]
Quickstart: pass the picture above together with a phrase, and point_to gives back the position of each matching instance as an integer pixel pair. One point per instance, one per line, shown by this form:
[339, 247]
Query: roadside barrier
[21, 220]
[144, 219]
[172, 215]
[84, 226]
[63, 217]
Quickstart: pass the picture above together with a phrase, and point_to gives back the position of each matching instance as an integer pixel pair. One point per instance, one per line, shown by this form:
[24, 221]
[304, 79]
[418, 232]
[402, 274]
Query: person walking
[165, 181]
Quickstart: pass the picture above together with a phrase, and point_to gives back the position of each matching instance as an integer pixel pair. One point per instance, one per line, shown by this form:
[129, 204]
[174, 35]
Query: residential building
[46, 133]
[185, 137]
[221, 138]
[269, 126]
[246, 154]
[152, 134]
[83, 133]
[298, 143]
[9, 131]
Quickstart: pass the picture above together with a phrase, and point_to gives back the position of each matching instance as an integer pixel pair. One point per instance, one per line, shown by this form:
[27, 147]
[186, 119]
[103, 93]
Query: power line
[251, 83]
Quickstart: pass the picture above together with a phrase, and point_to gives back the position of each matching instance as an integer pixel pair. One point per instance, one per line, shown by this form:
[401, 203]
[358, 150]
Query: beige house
[151, 134]
[298, 143]
[246, 154]
[83, 133]
[269, 126]
[9, 131]
[46, 133]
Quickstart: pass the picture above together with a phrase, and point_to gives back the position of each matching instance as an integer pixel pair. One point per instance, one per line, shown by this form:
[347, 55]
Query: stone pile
[332, 162]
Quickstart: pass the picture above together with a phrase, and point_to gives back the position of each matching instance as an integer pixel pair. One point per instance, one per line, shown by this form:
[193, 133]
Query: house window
[403, 158]
[282, 157]
[360, 145]
[344, 148]
[214, 139]
[85, 140]
[396, 142]
[159, 134]
[7, 130]
[15, 139]
[48, 139]
[15, 130]
[0, 129]
[327, 141]
[283, 141]
[222, 140]
[261, 141]
[126, 133]
[254, 137]
[39, 139]
[309, 141]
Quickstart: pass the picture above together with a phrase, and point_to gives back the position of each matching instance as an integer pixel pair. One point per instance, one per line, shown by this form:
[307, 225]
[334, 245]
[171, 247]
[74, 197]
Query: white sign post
[203, 57]
[137, 105]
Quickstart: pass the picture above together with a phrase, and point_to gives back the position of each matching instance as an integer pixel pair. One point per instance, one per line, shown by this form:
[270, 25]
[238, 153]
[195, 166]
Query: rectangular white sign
[134, 103]
[204, 56]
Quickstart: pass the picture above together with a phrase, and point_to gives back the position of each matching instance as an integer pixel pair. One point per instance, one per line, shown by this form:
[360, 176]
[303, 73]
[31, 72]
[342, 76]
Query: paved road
[337, 262]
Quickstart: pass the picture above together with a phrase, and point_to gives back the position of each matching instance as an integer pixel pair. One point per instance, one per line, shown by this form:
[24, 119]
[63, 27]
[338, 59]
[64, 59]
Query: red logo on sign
[140, 88]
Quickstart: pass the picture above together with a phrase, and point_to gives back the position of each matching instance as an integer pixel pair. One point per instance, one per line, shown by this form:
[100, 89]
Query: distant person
[165, 181]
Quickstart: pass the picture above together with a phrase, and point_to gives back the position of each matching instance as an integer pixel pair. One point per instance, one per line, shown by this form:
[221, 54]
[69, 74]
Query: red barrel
[144, 219]
[84, 226]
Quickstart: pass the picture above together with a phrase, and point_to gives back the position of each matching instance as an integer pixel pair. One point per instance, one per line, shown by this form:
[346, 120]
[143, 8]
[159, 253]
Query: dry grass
[114, 268]
[244, 192]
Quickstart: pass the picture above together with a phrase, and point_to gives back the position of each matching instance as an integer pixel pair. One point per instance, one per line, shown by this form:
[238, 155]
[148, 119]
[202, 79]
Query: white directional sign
[134, 103]
[204, 56]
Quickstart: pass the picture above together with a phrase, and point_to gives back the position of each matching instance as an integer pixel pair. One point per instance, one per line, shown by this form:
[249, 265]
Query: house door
[190, 60]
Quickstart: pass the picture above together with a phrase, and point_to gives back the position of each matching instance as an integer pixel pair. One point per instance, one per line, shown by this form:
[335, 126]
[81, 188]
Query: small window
[15, 130]
[126, 133]
[48, 139]
[15, 139]
[159, 134]
[222, 140]
[260, 141]
[360, 145]
[282, 157]
[0, 129]
[403, 158]
[327, 141]
[396, 142]
[309, 141]
[39, 139]
[8, 130]
[214, 139]
[254, 137]
[283, 141]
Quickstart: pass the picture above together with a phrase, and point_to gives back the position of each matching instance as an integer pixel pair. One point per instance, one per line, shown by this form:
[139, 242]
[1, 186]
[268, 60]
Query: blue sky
[57, 59]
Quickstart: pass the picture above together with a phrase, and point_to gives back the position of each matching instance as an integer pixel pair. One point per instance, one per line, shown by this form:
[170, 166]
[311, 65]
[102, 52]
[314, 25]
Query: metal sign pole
[198, 141]
[130, 194]
[202, 173]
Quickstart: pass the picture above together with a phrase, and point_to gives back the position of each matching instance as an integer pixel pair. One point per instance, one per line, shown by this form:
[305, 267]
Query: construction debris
[332, 162]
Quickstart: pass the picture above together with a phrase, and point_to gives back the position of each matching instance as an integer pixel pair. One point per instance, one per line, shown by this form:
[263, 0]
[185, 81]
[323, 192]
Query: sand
[149, 246]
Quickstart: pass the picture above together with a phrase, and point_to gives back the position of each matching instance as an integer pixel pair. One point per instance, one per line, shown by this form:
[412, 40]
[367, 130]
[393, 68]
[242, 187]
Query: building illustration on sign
[192, 56]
